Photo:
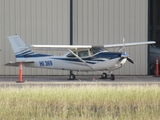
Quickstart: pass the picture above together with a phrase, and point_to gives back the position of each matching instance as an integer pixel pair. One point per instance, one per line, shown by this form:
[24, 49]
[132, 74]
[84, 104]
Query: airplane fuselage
[99, 61]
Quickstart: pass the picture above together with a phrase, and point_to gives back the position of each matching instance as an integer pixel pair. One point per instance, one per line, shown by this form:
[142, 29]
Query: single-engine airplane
[78, 58]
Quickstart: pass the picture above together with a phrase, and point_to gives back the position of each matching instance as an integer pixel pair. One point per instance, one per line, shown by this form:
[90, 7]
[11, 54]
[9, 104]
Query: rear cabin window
[71, 55]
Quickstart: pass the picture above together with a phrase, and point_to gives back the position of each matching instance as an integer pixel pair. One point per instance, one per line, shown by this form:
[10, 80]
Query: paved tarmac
[52, 81]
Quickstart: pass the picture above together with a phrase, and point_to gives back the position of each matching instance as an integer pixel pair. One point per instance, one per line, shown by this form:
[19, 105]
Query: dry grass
[81, 103]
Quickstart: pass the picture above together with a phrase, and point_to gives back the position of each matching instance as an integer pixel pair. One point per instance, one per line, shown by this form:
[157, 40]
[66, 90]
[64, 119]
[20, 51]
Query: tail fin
[19, 47]
[16, 43]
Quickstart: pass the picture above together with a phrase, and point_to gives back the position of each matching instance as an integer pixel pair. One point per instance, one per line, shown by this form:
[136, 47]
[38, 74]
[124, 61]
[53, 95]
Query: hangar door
[154, 34]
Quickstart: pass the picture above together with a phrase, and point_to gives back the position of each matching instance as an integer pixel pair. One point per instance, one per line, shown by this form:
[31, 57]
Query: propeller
[125, 55]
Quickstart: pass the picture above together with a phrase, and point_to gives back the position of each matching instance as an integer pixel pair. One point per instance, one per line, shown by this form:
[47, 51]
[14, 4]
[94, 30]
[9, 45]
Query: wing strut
[80, 59]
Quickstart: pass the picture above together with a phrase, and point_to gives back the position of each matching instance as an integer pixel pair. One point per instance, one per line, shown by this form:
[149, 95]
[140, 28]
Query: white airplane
[79, 57]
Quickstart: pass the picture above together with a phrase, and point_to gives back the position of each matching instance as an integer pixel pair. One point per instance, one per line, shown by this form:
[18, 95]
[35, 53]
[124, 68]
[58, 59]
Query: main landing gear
[105, 76]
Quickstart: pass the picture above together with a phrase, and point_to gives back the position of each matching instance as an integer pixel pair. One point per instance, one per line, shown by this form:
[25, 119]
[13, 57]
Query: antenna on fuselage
[74, 42]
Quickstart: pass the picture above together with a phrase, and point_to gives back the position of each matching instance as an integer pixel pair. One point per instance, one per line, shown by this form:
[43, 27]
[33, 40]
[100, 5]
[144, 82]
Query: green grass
[80, 103]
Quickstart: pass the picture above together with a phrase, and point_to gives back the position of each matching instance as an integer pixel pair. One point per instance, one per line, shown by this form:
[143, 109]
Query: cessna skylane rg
[78, 58]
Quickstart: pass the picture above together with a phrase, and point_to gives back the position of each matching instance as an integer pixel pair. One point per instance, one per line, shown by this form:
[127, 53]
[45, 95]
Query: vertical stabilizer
[16, 43]
[19, 47]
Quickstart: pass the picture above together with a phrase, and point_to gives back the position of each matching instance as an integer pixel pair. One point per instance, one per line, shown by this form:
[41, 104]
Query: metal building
[94, 22]
[108, 21]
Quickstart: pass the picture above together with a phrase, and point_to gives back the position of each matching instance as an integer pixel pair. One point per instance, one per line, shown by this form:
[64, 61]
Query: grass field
[80, 103]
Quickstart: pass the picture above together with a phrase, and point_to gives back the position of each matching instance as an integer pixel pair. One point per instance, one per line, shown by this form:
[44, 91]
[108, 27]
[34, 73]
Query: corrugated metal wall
[94, 22]
[99, 22]
[36, 22]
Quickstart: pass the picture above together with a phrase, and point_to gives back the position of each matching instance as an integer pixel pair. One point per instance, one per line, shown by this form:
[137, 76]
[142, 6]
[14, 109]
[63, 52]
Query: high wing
[127, 44]
[60, 47]
[75, 47]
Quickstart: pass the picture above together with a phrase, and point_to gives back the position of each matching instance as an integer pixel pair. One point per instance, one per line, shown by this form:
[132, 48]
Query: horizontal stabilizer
[16, 64]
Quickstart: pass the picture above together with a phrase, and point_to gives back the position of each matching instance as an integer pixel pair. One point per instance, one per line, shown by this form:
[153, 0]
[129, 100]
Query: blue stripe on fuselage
[74, 60]
[28, 54]
[96, 58]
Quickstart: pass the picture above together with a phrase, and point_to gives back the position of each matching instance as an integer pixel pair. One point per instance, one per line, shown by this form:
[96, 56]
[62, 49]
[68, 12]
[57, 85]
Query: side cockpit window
[83, 53]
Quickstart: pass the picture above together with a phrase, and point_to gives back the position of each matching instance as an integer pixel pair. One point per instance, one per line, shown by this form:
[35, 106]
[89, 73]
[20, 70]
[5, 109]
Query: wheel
[104, 76]
[72, 77]
[112, 77]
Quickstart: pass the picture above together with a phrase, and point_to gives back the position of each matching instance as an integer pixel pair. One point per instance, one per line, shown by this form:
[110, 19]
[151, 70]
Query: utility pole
[71, 24]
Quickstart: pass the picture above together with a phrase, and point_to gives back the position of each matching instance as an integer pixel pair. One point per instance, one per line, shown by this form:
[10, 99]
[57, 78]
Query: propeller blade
[130, 60]
[120, 60]
[124, 45]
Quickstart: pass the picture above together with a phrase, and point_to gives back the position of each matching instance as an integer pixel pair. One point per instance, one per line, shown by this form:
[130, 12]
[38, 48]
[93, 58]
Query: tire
[72, 77]
[112, 77]
[103, 76]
